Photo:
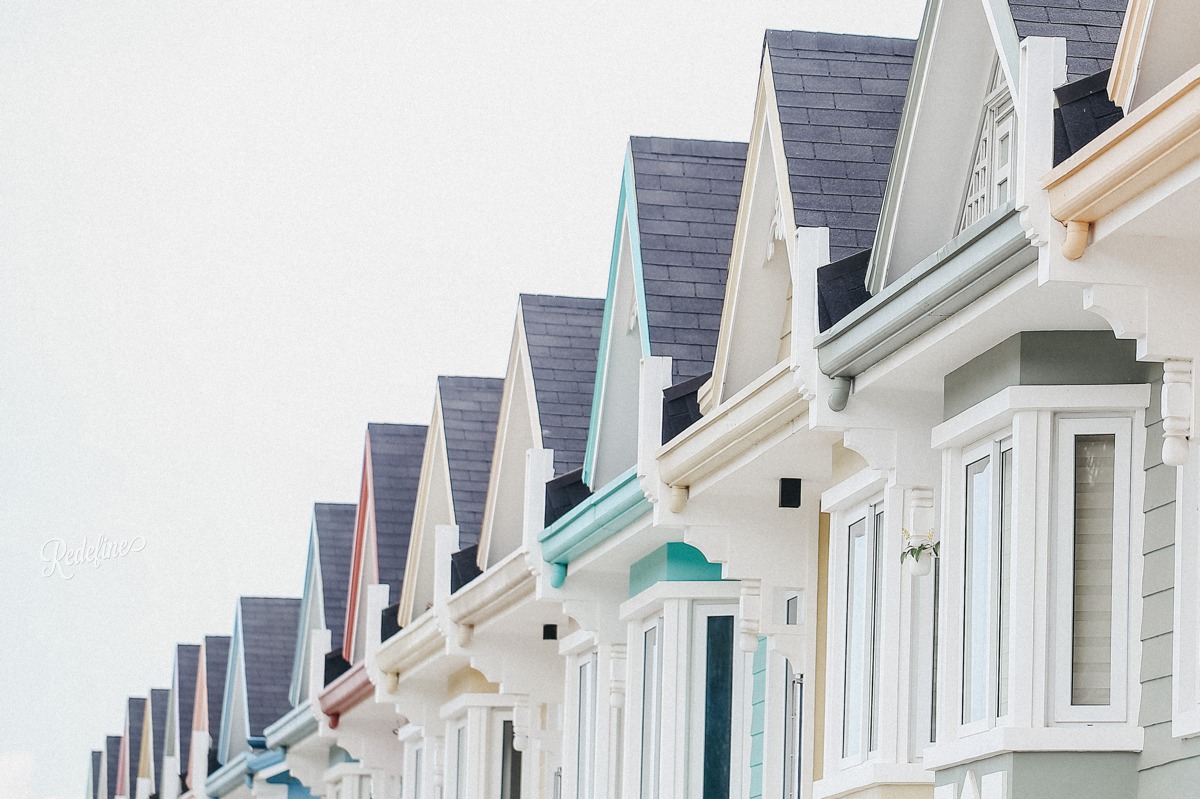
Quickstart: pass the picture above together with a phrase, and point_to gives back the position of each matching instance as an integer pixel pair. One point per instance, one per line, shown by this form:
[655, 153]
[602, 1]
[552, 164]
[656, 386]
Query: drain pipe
[1076, 241]
[840, 395]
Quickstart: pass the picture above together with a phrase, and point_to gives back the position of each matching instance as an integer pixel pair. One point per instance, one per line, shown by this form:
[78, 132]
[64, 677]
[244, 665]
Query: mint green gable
[592, 522]
[674, 562]
[626, 216]
[758, 718]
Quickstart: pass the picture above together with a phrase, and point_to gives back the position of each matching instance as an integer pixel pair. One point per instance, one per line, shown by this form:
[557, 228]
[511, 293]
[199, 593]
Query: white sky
[233, 234]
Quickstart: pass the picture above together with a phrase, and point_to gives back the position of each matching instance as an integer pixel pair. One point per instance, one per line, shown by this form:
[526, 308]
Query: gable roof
[687, 197]
[839, 98]
[396, 453]
[334, 526]
[112, 763]
[134, 718]
[470, 412]
[187, 665]
[158, 730]
[562, 335]
[1091, 28]
[216, 658]
[268, 630]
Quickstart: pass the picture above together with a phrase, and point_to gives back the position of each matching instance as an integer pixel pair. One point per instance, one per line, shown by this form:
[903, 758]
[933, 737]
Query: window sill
[999, 740]
[870, 775]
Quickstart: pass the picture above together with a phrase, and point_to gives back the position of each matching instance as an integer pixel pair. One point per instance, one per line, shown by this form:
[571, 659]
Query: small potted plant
[920, 552]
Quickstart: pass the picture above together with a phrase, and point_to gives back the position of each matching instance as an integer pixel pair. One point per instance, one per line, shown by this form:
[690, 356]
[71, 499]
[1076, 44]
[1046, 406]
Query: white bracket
[1176, 410]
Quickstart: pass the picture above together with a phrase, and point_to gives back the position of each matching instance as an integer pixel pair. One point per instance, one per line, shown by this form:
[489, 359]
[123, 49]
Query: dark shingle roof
[95, 786]
[269, 642]
[687, 200]
[112, 763]
[563, 335]
[470, 412]
[335, 550]
[1091, 28]
[216, 661]
[839, 98]
[396, 454]
[187, 662]
[158, 722]
[136, 710]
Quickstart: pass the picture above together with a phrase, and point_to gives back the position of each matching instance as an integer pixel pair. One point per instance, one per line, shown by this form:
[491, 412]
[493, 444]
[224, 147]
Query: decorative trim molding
[1177, 403]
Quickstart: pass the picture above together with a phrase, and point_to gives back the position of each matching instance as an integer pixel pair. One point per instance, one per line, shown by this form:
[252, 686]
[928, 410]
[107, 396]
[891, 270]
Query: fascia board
[1008, 43]
[593, 521]
[1122, 81]
[228, 777]
[236, 658]
[965, 269]
[893, 192]
[1159, 137]
[736, 425]
[347, 691]
[766, 132]
[295, 725]
[312, 584]
[627, 221]
[492, 592]
[356, 557]
[435, 438]
[420, 641]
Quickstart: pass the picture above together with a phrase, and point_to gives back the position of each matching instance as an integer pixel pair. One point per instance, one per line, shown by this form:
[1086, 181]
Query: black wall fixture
[789, 492]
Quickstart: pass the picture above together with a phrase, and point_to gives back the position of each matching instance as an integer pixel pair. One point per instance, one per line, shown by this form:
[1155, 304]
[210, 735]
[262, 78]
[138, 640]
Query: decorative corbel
[616, 684]
[439, 762]
[521, 724]
[777, 231]
[463, 634]
[677, 497]
[920, 510]
[749, 615]
[1176, 410]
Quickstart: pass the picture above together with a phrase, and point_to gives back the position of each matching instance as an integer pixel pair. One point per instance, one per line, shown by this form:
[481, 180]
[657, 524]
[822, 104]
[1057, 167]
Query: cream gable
[435, 506]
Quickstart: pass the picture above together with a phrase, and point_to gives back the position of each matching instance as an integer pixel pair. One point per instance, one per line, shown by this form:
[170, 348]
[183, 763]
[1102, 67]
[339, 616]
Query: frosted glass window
[1005, 581]
[976, 643]
[861, 702]
[585, 761]
[651, 710]
[1092, 594]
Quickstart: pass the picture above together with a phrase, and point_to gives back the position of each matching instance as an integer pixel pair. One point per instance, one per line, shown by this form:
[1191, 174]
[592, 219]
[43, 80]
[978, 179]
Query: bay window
[861, 683]
[585, 760]
[651, 708]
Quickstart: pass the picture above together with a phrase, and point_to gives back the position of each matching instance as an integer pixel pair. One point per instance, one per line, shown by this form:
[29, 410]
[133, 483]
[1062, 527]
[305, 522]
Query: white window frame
[458, 745]
[981, 193]
[739, 723]
[1067, 428]
[414, 761]
[1185, 679]
[649, 720]
[586, 693]
[1032, 413]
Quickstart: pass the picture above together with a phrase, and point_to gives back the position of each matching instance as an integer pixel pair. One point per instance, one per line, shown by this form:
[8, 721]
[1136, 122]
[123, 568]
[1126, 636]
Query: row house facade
[871, 476]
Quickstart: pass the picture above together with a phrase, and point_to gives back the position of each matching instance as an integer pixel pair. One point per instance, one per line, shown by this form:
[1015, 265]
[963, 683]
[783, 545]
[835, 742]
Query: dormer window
[990, 184]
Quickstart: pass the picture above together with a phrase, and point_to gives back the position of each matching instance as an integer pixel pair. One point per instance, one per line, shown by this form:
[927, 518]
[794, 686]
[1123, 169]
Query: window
[418, 764]
[510, 764]
[651, 708]
[860, 707]
[460, 762]
[989, 186]
[586, 754]
[718, 704]
[793, 733]
[1093, 460]
[987, 529]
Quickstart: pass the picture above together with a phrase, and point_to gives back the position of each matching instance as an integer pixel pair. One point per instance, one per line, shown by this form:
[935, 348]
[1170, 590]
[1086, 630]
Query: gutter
[346, 693]
[295, 725]
[965, 269]
[591, 523]
[228, 777]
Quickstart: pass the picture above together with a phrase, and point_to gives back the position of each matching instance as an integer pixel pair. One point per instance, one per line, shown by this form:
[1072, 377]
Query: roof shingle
[158, 722]
[187, 663]
[112, 763]
[216, 661]
[687, 198]
[1091, 28]
[135, 716]
[397, 451]
[839, 98]
[563, 336]
[269, 640]
[334, 524]
[470, 413]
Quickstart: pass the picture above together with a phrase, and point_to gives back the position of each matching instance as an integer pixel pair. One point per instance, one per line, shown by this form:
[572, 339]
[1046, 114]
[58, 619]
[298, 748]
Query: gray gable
[563, 336]
[397, 451]
[268, 644]
[335, 549]
[158, 723]
[95, 774]
[1091, 28]
[135, 714]
[687, 203]
[112, 763]
[187, 664]
[216, 661]
[470, 413]
[839, 98]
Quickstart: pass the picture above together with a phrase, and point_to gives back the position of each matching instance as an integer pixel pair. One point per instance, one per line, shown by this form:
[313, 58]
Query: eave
[229, 777]
[497, 589]
[419, 642]
[296, 725]
[346, 692]
[735, 426]
[1157, 139]
[965, 269]
[592, 522]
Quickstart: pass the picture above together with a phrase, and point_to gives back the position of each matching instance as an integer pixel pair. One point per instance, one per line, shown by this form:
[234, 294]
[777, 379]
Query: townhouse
[871, 476]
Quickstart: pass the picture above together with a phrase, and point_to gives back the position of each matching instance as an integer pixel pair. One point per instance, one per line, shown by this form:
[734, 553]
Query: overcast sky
[233, 234]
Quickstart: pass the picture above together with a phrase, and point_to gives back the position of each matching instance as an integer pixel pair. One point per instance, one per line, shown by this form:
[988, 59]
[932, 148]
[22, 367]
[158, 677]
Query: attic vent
[990, 185]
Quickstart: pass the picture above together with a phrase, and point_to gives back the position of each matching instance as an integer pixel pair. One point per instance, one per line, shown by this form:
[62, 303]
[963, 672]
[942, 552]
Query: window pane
[650, 711]
[1005, 580]
[587, 729]
[933, 677]
[975, 611]
[418, 767]
[460, 763]
[793, 734]
[718, 706]
[1091, 644]
[876, 627]
[510, 765]
[856, 640]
